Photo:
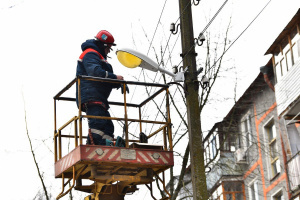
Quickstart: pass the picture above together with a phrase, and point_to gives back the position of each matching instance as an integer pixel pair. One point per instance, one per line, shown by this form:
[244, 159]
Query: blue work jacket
[93, 65]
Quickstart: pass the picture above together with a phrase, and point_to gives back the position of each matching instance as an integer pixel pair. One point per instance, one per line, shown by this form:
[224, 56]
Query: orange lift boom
[113, 171]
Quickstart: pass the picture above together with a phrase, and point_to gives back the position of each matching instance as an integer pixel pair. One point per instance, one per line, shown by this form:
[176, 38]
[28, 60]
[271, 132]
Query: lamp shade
[128, 60]
[131, 58]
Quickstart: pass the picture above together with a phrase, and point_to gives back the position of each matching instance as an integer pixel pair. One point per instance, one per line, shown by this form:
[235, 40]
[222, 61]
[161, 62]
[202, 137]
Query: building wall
[257, 175]
[259, 170]
[261, 131]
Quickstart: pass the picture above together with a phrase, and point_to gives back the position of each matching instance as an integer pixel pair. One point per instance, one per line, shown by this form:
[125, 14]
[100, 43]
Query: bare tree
[212, 64]
[34, 157]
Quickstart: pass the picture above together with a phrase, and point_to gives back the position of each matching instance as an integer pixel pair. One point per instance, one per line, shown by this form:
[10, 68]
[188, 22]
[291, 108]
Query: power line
[234, 40]
[212, 19]
[151, 43]
[240, 35]
[178, 33]
[209, 23]
[157, 26]
[167, 45]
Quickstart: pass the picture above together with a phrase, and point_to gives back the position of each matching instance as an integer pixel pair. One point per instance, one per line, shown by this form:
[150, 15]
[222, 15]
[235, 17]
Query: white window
[295, 40]
[273, 150]
[296, 51]
[283, 66]
[278, 71]
[289, 60]
[247, 132]
[288, 53]
[278, 196]
[253, 190]
[213, 146]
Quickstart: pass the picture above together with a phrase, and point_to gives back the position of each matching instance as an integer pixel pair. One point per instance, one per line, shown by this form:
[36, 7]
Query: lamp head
[131, 58]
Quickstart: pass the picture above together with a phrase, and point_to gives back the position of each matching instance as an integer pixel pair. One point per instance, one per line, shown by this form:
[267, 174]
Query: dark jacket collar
[92, 43]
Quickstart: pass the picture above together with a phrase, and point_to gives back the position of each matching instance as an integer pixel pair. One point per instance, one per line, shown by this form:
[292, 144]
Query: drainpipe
[264, 70]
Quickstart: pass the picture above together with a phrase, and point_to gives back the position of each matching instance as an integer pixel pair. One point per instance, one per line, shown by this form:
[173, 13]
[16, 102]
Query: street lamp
[132, 59]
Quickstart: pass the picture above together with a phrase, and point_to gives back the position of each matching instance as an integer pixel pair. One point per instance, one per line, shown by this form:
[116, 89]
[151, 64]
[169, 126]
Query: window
[213, 147]
[287, 54]
[247, 132]
[233, 190]
[228, 138]
[278, 196]
[283, 67]
[295, 39]
[273, 151]
[278, 71]
[253, 191]
[217, 194]
[289, 60]
[296, 51]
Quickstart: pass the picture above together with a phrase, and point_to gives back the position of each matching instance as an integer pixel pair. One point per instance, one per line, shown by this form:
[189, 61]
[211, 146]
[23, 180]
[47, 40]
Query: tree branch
[33, 155]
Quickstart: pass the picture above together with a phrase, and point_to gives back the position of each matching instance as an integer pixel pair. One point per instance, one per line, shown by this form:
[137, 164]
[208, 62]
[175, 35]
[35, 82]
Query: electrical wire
[238, 36]
[151, 43]
[206, 27]
[233, 41]
[157, 26]
[167, 45]
[178, 33]
[213, 18]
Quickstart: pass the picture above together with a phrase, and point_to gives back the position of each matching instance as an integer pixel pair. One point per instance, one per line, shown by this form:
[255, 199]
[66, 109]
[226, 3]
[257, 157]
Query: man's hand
[122, 89]
[120, 77]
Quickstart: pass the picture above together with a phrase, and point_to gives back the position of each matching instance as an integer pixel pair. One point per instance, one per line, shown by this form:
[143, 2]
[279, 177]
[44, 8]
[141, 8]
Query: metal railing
[165, 126]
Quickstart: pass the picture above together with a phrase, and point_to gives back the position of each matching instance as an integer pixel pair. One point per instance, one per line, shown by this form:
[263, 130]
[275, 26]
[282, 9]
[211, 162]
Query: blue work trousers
[106, 126]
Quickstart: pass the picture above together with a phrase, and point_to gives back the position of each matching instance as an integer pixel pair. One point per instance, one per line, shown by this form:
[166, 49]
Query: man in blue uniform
[94, 94]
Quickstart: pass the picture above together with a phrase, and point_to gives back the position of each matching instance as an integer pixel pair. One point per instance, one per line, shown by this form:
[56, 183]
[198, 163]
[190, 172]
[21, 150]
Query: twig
[33, 155]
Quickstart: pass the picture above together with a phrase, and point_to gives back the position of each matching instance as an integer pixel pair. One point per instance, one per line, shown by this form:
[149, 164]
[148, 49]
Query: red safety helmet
[105, 37]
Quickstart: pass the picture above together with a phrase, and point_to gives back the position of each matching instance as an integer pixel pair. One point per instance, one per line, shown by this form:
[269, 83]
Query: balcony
[226, 166]
[287, 90]
[294, 172]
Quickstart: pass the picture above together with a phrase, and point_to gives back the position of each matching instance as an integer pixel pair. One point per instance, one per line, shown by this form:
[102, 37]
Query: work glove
[122, 89]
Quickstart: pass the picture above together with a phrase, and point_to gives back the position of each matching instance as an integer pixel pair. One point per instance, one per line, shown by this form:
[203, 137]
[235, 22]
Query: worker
[94, 94]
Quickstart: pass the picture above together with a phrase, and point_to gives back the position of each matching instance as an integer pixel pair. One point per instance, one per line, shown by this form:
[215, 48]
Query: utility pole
[192, 89]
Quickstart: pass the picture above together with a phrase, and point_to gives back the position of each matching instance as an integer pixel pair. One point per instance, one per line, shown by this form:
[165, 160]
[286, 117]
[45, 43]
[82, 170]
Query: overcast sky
[40, 43]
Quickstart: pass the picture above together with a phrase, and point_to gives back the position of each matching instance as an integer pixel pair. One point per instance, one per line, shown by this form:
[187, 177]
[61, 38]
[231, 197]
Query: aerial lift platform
[112, 171]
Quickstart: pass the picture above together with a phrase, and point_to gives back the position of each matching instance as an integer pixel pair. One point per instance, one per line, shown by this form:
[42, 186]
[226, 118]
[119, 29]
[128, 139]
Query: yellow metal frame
[165, 126]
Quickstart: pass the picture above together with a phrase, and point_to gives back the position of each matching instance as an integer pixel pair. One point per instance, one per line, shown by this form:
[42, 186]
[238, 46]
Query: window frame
[253, 183]
[233, 193]
[278, 193]
[285, 56]
[247, 133]
[271, 143]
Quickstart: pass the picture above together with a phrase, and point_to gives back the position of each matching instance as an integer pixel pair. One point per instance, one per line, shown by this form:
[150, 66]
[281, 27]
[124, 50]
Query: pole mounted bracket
[199, 41]
[196, 3]
[184, 54]
[174, 30]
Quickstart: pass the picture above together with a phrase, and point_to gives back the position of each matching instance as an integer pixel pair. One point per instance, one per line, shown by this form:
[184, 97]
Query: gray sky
[40, 43]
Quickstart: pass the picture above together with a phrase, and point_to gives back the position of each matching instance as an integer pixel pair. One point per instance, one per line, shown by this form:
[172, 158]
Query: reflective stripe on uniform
[102, 134]
[90, 50]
